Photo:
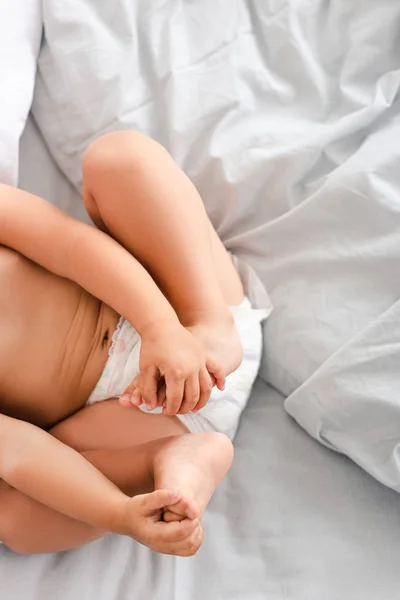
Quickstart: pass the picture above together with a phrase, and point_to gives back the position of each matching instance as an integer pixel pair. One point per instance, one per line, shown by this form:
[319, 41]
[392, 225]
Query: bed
[286, 116]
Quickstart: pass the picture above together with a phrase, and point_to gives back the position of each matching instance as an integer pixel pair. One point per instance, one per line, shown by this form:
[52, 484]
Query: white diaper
[223, 410]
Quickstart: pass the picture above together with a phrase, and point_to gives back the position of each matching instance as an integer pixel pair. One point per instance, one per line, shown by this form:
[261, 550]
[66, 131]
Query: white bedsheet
[352, 403]
[20, 34]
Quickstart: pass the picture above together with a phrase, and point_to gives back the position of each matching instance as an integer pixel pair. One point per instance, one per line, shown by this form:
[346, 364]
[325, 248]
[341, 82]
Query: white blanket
[20, 34]
[352, 403]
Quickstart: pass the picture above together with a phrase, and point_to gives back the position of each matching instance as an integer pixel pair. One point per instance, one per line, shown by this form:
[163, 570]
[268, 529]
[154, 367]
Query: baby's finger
[215, 369]
[126, 398]
[173, 542]
[188, 509]
[192, 394]
[136, 398]
[161, 396]
[159, 499]
[148, 387]
[205, 389]
[136, 381]
[192, 545]
[189, 545]
[176, 531]
[175, 388]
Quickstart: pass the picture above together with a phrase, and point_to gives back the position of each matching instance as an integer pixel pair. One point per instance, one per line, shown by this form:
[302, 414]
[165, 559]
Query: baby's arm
[40, 466]
[95, 261]
[74, 250]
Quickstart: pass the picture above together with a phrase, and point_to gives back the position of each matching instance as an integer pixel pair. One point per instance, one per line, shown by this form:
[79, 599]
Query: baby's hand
[173, 354]
[143, 521]
[133, 396]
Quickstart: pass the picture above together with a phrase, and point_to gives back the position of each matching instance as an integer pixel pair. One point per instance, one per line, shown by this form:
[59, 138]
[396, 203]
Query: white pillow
[20, 34]
[286, 120]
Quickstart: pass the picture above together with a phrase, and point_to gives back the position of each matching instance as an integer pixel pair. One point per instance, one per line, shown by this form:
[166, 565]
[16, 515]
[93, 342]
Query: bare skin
[29, 526]
[56, 336]
[67, 331]
[64, 346]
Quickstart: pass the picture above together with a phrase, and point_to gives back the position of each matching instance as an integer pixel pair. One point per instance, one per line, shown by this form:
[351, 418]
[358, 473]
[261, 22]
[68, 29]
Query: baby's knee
[117, 151]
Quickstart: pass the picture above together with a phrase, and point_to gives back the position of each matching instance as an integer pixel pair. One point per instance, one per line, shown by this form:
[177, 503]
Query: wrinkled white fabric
[20, 34]
[352, 403]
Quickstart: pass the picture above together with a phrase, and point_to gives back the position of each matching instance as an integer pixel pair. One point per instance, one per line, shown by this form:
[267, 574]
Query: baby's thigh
[108, 425]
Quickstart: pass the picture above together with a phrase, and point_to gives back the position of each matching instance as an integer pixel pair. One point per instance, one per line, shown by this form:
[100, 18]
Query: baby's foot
[221, 340]
[143, 521]
[194, 464]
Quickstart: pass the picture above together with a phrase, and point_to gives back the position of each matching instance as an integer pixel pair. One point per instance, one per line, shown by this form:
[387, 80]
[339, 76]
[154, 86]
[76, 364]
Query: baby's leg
[206, 458]
[30, 527]
[134, 191]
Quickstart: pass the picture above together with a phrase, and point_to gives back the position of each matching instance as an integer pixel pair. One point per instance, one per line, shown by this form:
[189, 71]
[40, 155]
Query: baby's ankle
[208, 317]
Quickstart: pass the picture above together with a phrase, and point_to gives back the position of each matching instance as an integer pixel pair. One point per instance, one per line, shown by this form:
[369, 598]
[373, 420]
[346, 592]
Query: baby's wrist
[119, 517]
[160, 327]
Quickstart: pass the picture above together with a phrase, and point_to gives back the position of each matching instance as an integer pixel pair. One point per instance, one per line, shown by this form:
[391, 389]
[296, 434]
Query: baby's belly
[54, 342]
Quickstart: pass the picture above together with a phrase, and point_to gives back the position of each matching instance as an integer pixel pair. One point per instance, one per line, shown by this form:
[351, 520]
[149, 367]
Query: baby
[68, 475]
